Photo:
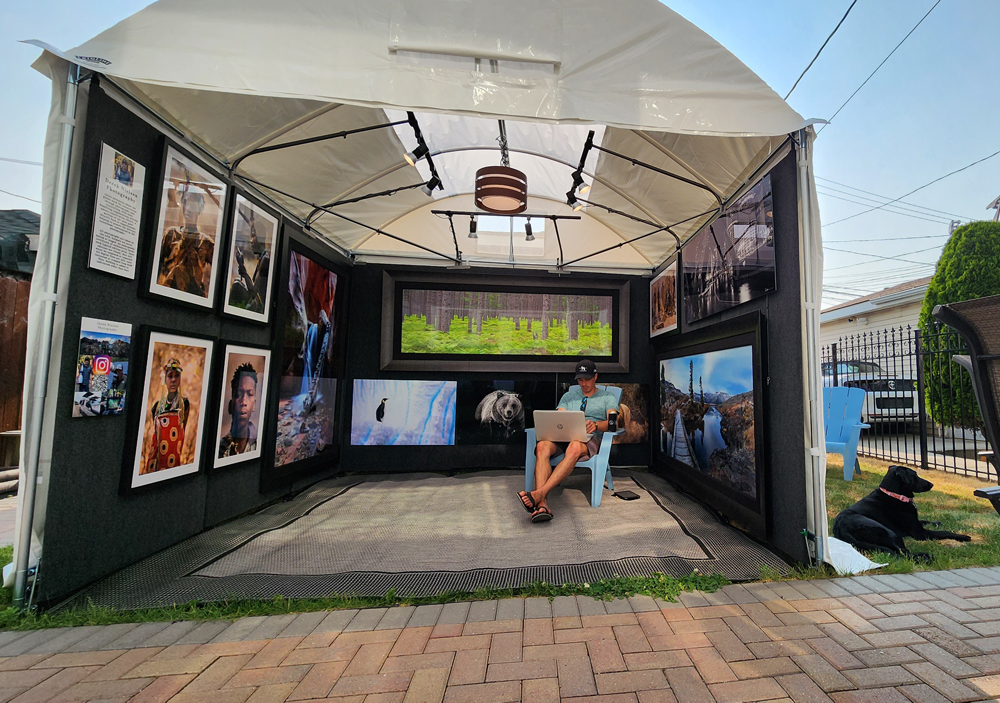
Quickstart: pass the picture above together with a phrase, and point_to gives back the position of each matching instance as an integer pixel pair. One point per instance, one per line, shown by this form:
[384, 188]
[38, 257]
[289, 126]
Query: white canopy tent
[235, 76]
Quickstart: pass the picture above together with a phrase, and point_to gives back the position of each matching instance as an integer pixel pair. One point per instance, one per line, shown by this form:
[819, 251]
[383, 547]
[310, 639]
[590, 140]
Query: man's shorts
[593, 446]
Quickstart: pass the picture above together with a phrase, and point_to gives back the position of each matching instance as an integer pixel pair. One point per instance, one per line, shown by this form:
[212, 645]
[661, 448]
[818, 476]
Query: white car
[888, 397]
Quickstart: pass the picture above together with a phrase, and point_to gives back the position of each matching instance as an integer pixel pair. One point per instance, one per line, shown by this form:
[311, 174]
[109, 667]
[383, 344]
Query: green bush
[969, 268]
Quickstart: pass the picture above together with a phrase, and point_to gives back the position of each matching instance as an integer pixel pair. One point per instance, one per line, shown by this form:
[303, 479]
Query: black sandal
[521, 495]
[541, 515]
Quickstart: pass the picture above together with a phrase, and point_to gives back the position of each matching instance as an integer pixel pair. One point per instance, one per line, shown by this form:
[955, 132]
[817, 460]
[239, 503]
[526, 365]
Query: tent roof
[237, 75]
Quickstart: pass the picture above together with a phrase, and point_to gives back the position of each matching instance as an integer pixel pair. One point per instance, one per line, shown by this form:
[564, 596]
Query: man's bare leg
[553, 477]
[543, 466]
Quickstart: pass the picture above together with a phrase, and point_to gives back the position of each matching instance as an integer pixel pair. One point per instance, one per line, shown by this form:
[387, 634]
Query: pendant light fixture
[501, 189]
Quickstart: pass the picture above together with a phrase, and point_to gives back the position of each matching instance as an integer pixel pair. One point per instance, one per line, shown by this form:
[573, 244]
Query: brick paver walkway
[925, 637]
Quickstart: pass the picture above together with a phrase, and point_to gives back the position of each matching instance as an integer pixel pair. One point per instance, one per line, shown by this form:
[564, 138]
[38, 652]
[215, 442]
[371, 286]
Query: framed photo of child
[169, 421]
[242, 405]
[184, 261]
[253, 237]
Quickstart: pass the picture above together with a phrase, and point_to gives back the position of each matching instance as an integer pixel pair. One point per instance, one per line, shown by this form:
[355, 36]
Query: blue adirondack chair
[842, 418]
[598, 465]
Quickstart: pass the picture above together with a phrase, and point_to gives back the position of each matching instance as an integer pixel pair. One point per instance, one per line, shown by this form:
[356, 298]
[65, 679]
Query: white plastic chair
[600, 471]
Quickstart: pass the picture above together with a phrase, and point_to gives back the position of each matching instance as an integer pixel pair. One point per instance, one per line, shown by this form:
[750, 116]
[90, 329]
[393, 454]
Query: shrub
[969, 268]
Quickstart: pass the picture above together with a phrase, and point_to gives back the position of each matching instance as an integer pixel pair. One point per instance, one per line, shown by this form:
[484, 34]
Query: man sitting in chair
[596, 404]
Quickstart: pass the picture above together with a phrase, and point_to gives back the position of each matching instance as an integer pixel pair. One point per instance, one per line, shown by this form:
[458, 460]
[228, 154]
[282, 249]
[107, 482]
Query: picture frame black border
[135, 413]
[229, 221]
[393, 283]
[682, 281]
[219, 373]
[272, 476]
[148, 248]
[752, 515]
[678, 292]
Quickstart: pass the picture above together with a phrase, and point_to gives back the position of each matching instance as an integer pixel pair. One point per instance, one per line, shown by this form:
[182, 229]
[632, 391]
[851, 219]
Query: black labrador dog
[880, 520]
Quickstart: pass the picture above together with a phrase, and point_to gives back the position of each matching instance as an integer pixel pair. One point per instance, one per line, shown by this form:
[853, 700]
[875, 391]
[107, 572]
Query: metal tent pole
[41, 360]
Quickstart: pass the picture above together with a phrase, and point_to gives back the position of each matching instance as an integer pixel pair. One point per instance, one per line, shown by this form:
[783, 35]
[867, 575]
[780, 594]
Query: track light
[578, 183]
[584, 188]
[573, 202]
[412, 157]
[528, 236]
[472, 227]
[428, 187]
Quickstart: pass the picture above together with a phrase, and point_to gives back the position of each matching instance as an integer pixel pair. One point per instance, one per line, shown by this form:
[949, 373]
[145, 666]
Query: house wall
[877, 320]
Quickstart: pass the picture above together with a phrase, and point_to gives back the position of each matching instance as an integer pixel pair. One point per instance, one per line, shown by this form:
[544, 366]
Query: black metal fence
[916, 398]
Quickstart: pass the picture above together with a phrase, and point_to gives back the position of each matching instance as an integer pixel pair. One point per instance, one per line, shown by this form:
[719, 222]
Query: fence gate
[918, 401]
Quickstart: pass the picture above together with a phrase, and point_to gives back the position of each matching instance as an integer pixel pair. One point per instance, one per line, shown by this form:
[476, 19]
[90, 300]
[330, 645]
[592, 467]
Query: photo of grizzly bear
[502, 413]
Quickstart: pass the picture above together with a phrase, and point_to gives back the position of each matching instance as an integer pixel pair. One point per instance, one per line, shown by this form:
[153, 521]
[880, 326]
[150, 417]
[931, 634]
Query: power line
[25, 197]
[879, 256]
[879, 66]
[20, 161]
[893, 239]
[938, 220]
[886, 197]
[821, 48]
[900, 208]
[979, 161]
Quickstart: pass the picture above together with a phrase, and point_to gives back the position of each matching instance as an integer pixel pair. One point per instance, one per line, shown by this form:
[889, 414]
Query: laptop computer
[561, 426]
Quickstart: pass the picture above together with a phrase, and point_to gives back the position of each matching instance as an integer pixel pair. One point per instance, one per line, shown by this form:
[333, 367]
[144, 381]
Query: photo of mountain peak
[707, 415]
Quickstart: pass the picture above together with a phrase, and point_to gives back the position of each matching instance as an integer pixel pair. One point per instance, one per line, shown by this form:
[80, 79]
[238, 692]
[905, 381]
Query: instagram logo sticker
[102, 365]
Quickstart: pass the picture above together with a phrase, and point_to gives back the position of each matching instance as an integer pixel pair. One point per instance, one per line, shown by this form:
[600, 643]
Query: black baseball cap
[585, 368]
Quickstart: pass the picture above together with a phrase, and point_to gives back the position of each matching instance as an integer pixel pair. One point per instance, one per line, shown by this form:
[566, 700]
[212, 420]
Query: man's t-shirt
[597, 404]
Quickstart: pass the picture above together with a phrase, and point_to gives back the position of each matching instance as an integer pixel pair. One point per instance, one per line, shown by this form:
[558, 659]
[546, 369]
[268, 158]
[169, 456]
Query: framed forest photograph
[494, 323]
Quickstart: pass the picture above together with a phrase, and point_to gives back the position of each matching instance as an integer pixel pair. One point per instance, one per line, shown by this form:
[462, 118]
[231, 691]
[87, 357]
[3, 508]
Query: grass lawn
[950, 501]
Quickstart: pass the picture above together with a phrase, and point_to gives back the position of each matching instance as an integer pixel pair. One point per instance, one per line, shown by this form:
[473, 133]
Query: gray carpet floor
[426, 533]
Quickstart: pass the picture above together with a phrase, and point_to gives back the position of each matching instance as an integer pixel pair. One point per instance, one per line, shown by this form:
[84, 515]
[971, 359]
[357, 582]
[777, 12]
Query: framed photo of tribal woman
[253, 237]
[242, 404]
[184, 261]
[169, 422]
[309, 335]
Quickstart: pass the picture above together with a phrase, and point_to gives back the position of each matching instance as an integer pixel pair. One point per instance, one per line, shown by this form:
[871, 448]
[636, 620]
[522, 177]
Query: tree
[969, 268]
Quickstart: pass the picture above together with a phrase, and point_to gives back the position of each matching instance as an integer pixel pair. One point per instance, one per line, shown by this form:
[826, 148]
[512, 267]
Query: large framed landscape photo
[731, 261]
[709, 412]
[498, 323]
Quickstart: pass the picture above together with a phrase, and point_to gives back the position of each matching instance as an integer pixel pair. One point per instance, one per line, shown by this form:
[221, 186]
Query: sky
[931, 109]
[728, 370]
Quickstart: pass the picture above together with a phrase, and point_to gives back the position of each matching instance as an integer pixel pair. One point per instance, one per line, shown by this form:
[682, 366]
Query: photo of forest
[707, 415]
[499, 323]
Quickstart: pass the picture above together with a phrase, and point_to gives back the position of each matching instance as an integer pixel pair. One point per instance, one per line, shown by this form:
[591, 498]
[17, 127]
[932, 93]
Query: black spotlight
[472, 227]
[412, 157]
[428, 187]
[528, 236]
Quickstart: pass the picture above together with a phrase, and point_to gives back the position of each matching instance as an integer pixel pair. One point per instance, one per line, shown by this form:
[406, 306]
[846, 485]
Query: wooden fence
[13, 342]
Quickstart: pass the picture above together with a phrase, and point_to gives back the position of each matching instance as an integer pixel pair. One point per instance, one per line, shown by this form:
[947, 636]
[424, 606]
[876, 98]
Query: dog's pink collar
[897, 496]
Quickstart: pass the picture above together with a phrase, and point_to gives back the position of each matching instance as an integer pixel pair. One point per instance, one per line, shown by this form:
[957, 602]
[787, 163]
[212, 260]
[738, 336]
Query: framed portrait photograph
[253, 236]
[309, 359]
[731, 261]
[169, 420]
[242, 405]
[190, 214]
[710, 419]
[663, 301]
[502, 324]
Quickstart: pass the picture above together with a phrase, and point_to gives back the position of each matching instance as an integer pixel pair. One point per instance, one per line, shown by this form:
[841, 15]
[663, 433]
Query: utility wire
[19, 161]
[886, 197]
[892, 239]
[900, 209]
[821, 48]
[850, 217]
[938, 221]
[879, 66]
[25, 197]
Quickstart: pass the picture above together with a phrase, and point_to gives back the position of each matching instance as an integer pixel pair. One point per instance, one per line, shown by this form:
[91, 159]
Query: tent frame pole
[312, 140]
[49, 297]
[655, 169]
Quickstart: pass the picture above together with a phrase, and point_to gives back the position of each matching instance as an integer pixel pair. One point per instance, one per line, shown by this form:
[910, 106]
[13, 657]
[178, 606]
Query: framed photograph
[187, 240]
[242, 404]
[102, 368]
[169, 421]
[663, 301]
[403, 412]
[309, 358]
[731, 261]
[710, 414]
[498, 412]
[253, 237]
[502, 324]
[633, 413]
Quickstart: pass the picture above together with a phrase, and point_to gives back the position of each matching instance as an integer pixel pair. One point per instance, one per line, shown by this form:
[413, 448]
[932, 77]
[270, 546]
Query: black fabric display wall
[784, 456]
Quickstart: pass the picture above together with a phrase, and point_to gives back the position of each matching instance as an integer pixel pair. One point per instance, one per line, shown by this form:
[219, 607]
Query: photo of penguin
[403, 412]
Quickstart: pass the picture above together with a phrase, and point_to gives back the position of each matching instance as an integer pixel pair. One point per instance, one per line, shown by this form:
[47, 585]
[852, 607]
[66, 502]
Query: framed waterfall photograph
[502, 323]
[709, 410]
